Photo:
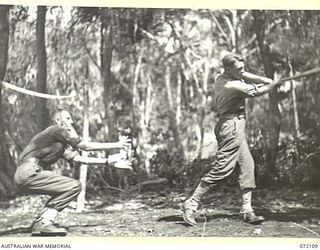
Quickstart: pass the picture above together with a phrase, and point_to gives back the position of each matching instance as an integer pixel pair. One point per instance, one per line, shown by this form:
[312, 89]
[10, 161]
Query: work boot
[38, 219]
[42, 229]
[189, 215]
[252, 218]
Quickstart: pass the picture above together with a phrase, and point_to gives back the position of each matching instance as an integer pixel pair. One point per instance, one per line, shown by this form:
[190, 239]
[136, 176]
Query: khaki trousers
[232, 148]
[30, 178]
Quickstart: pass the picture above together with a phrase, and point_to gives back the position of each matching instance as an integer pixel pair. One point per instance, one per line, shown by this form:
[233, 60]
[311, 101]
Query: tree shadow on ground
[201, 217]
[289, 215]
[28, 230]
[18, 230]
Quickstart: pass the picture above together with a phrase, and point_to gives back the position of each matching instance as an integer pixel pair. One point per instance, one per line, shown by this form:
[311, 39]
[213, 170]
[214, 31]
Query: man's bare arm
[91, 146]
[89, 160]
[115, 160]
[252, 78]
[263, 89]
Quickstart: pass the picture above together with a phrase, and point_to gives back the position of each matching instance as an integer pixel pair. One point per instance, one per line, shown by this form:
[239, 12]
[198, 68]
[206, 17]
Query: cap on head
[232, 61]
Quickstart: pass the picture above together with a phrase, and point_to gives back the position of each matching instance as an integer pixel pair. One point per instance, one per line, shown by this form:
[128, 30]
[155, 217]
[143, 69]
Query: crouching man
[58, 141]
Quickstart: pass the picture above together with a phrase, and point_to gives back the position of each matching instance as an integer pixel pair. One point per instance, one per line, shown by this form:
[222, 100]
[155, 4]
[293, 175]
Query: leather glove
[119, 161]
[123, 164]
[115, 157]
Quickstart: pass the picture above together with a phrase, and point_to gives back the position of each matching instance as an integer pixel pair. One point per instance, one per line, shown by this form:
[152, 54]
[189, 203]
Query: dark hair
[229, 60]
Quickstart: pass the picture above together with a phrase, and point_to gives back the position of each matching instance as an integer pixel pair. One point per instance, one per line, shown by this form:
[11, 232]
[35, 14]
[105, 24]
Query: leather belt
[230, 116]
[30, 160]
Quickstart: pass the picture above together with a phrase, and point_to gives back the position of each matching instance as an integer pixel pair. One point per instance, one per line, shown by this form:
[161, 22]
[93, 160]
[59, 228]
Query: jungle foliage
[150, 75]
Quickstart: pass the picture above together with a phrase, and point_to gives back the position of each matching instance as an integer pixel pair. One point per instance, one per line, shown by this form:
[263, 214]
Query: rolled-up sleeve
[244, 89]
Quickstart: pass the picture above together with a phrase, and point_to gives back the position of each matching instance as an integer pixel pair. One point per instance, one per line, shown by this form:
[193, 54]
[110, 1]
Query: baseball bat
[306, 73]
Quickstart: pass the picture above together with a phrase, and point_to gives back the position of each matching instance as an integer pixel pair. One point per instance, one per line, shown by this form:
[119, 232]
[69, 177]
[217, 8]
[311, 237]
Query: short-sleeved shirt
[50, 145]
[230, 95]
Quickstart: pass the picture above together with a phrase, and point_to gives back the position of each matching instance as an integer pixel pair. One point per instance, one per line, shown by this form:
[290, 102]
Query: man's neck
[228, 75]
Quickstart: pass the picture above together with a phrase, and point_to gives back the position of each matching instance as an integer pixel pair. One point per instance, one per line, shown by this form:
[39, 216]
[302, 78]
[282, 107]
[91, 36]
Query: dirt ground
[289, 214]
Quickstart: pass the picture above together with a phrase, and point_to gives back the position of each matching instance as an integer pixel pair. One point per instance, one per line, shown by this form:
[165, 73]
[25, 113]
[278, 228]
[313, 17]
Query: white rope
[33, 93]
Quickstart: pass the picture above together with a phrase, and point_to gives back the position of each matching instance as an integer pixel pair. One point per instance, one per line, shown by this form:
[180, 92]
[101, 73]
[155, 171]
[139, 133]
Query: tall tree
[273, 112]
[41, 104]
[108, 78]
[173, 125]
[7, 166]
[85, 135]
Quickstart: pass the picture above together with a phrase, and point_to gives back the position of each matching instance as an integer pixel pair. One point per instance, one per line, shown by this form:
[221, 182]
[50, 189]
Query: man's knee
[76, 186]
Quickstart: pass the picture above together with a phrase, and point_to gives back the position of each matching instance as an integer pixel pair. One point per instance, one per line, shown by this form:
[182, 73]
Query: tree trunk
[232, 23]
[85, 135]
[202, 113]
[273, 114]
[179, 97]
[109, 85]
[294, 102]
[7, 165]
[42, 114]
[107, 76]
[172, 114]
[135, 101]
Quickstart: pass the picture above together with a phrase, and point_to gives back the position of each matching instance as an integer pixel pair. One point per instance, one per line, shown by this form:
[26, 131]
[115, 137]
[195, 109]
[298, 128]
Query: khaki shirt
[230, 94]
[51, 144]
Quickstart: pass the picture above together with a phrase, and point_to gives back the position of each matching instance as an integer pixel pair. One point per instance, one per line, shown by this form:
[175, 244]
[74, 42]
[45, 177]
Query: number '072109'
[309, 246]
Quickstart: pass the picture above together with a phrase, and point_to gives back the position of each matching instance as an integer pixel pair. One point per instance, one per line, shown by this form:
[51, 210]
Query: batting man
[231, 89]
